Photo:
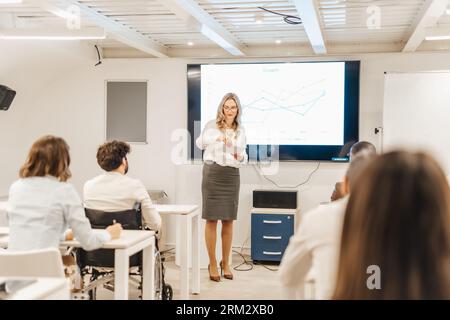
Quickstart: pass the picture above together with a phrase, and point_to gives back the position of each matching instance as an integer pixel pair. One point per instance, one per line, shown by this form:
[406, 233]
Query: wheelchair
[99, 264]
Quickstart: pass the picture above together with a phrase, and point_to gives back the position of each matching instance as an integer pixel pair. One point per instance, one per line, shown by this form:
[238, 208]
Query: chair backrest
[129, 219]
[35, 263]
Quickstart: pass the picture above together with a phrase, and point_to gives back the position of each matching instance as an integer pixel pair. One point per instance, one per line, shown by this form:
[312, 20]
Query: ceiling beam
[431, 11]
[307, 11]
[438, 33]
[115, 29]
[208, 26]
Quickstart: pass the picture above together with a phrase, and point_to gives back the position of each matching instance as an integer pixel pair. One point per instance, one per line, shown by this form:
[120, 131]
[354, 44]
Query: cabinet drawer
[272, 247]
[267, 254]
[270, 241]
[272, 225]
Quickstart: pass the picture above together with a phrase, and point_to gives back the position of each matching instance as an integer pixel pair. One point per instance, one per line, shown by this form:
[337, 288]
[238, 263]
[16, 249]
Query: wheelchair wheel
[167, 293]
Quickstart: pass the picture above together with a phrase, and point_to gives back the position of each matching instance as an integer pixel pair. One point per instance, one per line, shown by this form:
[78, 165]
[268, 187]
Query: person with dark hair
[42, 205]
[314, 248]
[359, 149]
[114, 190]
[397, 232]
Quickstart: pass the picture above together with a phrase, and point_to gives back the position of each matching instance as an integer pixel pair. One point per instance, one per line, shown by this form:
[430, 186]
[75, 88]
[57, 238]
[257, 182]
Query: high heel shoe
[228, 276]
[213, 278]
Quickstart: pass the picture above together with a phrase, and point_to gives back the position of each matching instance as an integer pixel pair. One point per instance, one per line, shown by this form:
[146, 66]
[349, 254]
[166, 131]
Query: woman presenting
[223, 140]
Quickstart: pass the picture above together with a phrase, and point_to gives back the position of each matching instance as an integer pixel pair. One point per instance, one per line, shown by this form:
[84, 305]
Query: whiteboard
[416, 113]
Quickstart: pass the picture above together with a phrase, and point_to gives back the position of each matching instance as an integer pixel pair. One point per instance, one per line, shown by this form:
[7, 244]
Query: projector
[6, 97]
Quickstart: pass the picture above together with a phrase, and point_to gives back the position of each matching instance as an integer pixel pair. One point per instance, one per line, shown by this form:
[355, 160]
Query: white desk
[130, 242]
[41, 289]
[190, 223]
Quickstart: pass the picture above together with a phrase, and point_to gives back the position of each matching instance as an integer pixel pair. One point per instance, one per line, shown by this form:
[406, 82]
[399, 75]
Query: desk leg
[195, 254]
[184, 256]
[121, 263]
[148, 285]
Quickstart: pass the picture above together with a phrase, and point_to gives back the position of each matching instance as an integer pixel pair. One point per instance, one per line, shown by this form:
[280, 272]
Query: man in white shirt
[315, 245]
[114, 191]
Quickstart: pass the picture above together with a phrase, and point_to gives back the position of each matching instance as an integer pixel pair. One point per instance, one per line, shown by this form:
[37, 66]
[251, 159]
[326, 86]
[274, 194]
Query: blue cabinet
[270, 235]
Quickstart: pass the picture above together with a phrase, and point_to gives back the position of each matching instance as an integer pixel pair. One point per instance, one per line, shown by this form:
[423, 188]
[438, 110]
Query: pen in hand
[114, 230]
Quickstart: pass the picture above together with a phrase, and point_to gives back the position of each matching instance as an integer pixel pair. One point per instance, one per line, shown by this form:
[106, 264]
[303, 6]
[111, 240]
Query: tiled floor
[258, 283]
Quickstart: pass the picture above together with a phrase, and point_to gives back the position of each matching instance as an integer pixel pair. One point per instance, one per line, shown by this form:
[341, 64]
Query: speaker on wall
[6, 97]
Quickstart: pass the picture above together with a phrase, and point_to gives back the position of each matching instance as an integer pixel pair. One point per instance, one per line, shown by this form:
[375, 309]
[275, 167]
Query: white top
[315, 246]
[113, 191]
[41, 209]
[219, 152]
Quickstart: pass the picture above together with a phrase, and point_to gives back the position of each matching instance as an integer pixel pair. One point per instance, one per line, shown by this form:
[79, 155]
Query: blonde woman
[224, 143]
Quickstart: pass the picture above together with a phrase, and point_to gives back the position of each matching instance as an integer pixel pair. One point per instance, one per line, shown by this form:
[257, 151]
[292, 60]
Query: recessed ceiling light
[278, 41]
[190, 43]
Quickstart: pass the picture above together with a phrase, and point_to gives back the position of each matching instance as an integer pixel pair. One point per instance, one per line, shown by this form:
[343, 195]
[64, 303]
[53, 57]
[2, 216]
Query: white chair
[35, 263]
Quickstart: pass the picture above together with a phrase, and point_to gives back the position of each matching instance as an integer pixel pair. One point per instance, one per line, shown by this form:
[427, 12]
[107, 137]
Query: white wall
[61, 92]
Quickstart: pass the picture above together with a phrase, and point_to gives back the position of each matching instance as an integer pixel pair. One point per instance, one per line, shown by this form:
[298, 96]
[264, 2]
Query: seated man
[114, 191]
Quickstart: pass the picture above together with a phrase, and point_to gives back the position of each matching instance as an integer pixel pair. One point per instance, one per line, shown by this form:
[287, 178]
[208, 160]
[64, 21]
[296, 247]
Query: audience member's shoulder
[67, 187]
[126, 179]
[66, 193]
[16, 184]
[137, 182]
[92, 181]
[324, 211]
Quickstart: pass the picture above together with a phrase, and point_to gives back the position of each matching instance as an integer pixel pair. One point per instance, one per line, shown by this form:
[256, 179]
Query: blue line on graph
[312, 103]
[291, 93]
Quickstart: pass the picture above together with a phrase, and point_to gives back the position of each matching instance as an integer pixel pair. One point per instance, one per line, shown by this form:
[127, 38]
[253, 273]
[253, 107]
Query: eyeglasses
[227, 108]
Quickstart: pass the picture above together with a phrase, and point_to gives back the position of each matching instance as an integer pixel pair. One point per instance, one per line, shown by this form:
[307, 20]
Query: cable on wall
[287, 187]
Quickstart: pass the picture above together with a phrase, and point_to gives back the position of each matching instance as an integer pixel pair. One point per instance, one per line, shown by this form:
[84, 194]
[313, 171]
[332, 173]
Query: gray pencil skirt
[220, 192]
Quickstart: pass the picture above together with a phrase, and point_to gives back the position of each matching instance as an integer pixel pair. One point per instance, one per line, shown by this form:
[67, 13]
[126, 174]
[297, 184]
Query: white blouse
[218, 151]
[40, 211]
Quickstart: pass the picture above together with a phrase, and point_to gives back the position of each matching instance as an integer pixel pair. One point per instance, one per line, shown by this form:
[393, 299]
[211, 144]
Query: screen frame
[288, 152]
